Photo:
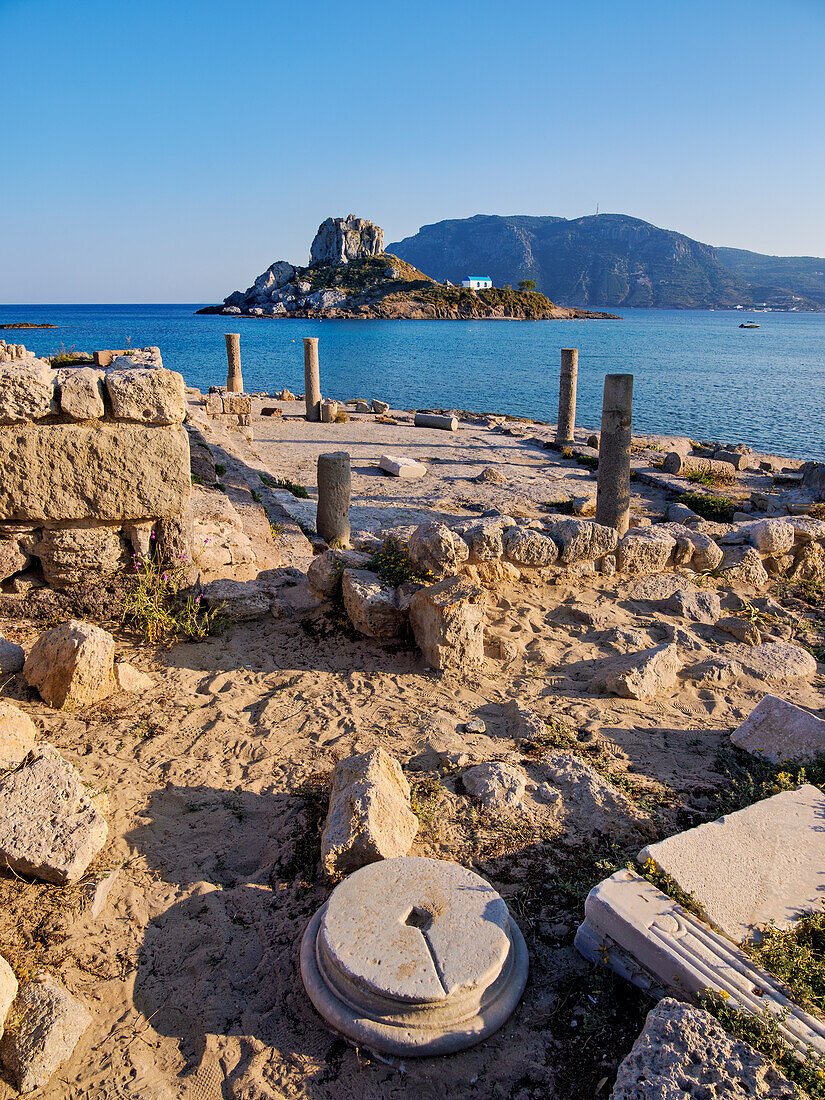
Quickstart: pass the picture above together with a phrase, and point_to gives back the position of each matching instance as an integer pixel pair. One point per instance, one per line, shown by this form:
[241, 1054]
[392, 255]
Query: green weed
[394, 567]
[284, 483]
[158, 606]
[717, 509]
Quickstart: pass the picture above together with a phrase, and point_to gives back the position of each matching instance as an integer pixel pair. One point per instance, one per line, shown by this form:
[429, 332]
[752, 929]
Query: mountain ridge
[612, 260]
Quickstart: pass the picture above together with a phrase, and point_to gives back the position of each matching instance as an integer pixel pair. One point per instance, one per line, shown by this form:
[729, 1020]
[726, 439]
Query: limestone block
[810, 565]
[12, 657]
[329, 410]
[644, 551]
[362, 406]
[380, 408]
[8, 991]
[17, 737]
[715, 672]
[325, 570]
[744, 567]
[641, 675]
[707, 556]
[217, 543]
[237, 404]
[524, 724]
[742, 629]
[760, 864]
[779, 731]
[771, 537]
[49, 825]
[12, 558]
[806, 528]
[651, 941]
[72, 555]
[498, 786]
[49, 1026]
[62, 472]
[699, 606]
[399, 466]
[27, 391]
[484, 539]
[492, 574]
[81, 393]
[683, 1051]
[369, 813]
[72, 665]
[526, 547]
[148, 396]
[582, 540]
[131, 679]
[372, 607]
[434, 548]
[447, 620]
[776, 662]
[237, 600]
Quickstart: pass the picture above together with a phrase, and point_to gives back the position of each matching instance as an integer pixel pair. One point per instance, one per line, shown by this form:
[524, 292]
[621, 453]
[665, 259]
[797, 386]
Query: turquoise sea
[695, 373]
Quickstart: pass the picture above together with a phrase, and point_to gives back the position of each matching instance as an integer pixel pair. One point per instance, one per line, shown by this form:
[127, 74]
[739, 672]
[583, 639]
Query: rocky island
[349, 275]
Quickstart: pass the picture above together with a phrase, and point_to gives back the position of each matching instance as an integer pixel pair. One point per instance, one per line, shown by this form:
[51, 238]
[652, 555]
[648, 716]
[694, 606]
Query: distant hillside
[610, 260]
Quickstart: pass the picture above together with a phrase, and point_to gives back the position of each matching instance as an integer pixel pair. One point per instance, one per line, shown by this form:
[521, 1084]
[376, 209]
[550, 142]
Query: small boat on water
[749, 324]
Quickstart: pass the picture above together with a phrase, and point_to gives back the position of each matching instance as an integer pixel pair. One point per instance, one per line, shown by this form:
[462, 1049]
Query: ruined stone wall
[94, 467]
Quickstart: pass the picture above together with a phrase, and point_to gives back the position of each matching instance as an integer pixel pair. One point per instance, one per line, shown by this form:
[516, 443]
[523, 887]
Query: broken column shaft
[567, 395]
[332, 522]
[312, 378]
[613, 492]
[234, 378]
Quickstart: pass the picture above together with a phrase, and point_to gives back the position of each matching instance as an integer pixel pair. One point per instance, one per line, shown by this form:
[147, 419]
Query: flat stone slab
[399, 466]
[781, 731]
[50, 1022]
[414, 956]
[764, 863]
[49, 826]
[683, 1052]
[645, 937]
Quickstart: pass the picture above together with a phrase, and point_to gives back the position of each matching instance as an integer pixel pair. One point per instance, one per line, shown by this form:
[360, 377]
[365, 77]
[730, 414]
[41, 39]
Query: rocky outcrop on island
[350, 276]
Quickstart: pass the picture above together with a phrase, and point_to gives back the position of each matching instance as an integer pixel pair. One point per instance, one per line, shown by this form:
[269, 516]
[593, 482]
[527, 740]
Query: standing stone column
[312, 379]
[613, 492]
[567, 395]
[333, 495]
[234, 378]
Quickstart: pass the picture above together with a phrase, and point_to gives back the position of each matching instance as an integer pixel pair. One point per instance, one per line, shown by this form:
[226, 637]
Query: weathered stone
[50, 1022]
[8, 991]
[148, 396]
[741, 629]
[372, 607]
[524, 724]
[12, 657]
[380, 408]
[329, 410]
[340, 240]
[27, 391]
[707, 556]
[590, 797]
[81, 393]
[675, 463]
[237, 600]
[490, 573]
[776, 662]
[131, 679]
[325, 570]
[217, 544]
[49, 825]
[447, 620]
[810, 565]
[72, 665]
[771, 537]
[17, 738]
[526, 547]
[73, 555]
[716, 672]
[744, 567]
[497, 786]
[780, 731]
[640, 675]
[109, 471]
[12, 558]
[645, 550]
[434, 548]
[334, 489]
[657, 588]
[700, 606]
[751, 867]
[369, 813]
[582, 540]
[680, 513]
[807, 529]
[435, 420]
[484, 539]
[684, 1052]
[399, 466]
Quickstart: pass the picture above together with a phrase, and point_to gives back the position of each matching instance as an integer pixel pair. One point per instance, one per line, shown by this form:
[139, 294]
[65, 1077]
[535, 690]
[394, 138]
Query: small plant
[394, 567]
[196, 479]
[709, 478]
[340, 417]
[220, 469]
[590, 461]
[284, 483]
[66, 357]
[717, 509]
[797, 958]
[160, 609]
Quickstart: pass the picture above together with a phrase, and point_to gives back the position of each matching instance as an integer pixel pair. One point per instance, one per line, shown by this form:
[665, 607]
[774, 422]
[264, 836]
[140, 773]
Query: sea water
[696, 373]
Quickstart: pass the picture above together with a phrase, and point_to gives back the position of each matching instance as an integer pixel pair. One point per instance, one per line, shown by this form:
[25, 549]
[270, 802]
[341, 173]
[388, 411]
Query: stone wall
[94, 467]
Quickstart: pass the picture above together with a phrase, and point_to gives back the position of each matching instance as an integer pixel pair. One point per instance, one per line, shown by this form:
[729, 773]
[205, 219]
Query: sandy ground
[217, 782]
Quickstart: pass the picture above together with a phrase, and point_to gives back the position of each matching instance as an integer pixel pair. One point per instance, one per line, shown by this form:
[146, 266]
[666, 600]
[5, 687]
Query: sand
[216, 780]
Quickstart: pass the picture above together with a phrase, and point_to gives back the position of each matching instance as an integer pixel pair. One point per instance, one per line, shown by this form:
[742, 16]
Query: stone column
[333, 495]
[613, 492]
[234, 379]
[312, 381]
[567, 395]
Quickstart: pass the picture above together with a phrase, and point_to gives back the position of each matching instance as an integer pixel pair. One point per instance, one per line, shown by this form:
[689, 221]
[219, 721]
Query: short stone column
[334, 481]
[613, 492]
[567, 395]
[312, 382]
[234, 378]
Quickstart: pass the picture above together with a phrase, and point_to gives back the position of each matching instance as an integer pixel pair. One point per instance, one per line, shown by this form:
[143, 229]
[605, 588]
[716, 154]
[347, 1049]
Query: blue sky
[161, 150]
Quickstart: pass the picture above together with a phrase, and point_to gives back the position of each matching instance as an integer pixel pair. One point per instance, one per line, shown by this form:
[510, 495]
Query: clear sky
[164, 150]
